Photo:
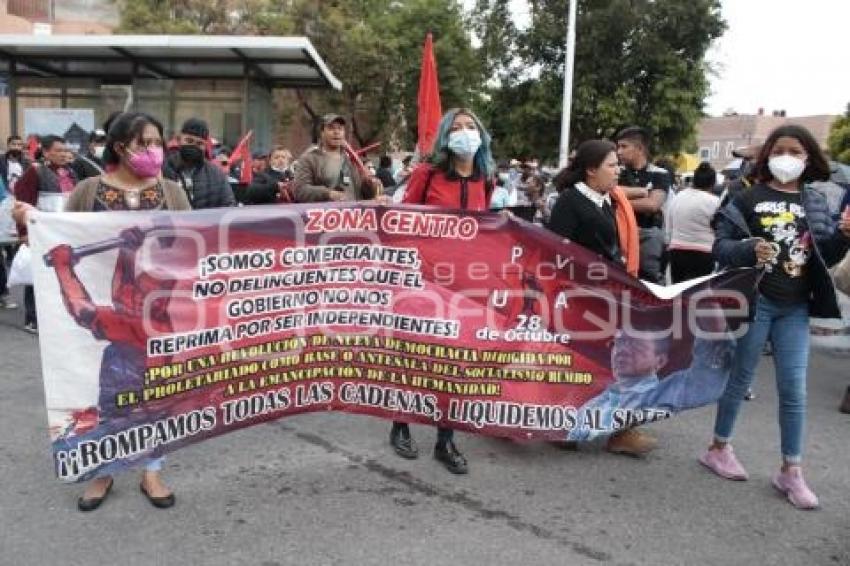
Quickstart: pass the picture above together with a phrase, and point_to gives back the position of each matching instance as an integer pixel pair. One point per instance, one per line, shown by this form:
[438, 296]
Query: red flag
[32, 146]
[368, 148]
[242, 152]
[430, 110]
[354, 156]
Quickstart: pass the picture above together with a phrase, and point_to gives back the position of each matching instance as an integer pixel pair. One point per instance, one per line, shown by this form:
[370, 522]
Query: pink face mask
[146, 163]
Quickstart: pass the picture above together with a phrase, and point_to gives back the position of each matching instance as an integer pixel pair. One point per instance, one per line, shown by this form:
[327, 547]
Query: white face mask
[98, 151]
[465, 143]
[786, 168]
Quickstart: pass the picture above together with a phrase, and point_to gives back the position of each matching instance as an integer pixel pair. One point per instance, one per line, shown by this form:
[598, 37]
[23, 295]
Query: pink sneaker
[792, 484]
[724, 463]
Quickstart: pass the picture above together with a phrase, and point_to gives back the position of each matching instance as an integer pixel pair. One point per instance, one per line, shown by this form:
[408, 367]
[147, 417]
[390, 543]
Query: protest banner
[163, 329]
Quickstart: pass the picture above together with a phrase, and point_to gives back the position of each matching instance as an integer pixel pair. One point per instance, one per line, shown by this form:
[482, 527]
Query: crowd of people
[611, 199]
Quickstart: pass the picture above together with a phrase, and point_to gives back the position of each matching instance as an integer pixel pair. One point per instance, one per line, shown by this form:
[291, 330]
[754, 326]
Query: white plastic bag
[21, 271]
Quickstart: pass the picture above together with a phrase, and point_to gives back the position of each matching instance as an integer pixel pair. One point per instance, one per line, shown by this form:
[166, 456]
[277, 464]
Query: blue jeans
[787, 326]
[150, 465]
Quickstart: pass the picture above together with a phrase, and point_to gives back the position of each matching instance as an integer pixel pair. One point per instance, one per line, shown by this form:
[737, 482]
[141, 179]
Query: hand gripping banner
[162, 329]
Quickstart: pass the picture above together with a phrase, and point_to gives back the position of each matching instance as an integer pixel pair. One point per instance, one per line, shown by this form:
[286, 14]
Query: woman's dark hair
[536, 180]
[124, 130]
[109, 119]
[817, 169]
[589, 155]
[705, 177]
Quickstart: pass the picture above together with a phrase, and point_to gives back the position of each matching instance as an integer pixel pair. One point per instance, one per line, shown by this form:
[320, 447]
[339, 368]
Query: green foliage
[373, 46]
[191, 17]
[839, 138]
[637, 62]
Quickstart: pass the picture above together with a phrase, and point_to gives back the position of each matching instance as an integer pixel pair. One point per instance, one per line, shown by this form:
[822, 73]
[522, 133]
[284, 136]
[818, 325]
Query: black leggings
[688, 264]
[444, 435]
[29, 305]
[4, 275]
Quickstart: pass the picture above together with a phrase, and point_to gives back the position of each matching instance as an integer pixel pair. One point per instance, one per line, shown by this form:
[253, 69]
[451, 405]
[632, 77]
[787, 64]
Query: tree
[191, 16]
[637, 62]
[839, 138]
[372, 46]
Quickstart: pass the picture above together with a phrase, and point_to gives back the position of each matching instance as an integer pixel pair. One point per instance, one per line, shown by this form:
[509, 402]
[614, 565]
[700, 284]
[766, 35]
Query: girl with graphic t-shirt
[785, 229]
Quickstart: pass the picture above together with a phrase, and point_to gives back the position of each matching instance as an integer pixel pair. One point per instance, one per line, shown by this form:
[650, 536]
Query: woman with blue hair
[458, 175]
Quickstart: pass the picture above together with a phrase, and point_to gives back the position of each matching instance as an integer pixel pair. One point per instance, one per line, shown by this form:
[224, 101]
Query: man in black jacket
[90, 163]
[270, 186]
[205, 184]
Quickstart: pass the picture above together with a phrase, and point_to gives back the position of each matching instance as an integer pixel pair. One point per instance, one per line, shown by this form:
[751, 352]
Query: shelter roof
[275, 61]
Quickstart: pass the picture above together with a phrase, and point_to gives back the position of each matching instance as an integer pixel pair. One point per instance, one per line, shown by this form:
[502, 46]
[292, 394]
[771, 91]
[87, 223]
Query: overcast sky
[783, 54]
[776, 54]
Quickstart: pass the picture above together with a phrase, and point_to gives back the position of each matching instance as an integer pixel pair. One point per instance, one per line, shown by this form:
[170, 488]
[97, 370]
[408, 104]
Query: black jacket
[578, 219]
[734, 246]
[86, 166]
[386, 177]
[264, 188]
[209, 187]
[4, 168]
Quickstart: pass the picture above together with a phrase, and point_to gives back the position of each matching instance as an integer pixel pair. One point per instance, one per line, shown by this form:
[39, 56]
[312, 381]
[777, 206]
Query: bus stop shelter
[226, 80]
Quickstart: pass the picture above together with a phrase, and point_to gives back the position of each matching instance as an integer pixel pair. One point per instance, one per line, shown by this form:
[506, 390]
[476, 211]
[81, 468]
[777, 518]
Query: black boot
[452, 459]
[402, 442]
[845, 404]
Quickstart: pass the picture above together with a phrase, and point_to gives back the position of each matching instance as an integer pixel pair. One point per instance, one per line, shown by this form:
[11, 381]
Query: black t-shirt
[650, 177]
[779, 218]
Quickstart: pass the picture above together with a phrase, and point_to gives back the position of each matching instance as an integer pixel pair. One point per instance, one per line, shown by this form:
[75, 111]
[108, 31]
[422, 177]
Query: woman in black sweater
[584, 213]
[587, 214]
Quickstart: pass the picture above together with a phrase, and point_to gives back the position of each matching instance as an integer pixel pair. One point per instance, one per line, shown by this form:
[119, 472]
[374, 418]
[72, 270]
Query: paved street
[327, 489]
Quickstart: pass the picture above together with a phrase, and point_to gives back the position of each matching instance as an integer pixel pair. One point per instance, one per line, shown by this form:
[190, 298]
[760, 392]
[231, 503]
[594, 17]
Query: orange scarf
[627, 230]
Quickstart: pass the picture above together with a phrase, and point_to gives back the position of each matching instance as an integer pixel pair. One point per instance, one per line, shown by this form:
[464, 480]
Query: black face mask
[15, 154]
[191, 154]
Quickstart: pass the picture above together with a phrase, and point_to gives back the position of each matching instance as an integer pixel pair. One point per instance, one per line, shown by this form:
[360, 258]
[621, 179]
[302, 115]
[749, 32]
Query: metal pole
[246, 103]
[569, 64]
[13, 97]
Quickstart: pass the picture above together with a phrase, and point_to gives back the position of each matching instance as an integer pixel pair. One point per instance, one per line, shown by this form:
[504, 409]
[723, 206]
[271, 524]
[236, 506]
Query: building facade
[718, 137]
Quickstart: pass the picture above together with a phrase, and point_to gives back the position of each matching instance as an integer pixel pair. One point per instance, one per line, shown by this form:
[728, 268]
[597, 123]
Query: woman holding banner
[589, 197]
[783, 226]
[594, 213]
[459, 175]
[133, 155]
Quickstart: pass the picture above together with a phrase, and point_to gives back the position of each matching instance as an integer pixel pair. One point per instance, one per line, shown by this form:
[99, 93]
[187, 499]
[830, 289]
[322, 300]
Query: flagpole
[569, 64]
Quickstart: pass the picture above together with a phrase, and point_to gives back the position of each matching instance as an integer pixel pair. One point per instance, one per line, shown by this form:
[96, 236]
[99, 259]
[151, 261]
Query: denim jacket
[734, 246]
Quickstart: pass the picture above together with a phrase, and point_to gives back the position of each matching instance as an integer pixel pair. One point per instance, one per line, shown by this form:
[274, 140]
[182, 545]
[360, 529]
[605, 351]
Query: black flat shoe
[845, 404]
[451, 458]
[403, 443]
[90, 504]
[158, 502]
[569, 445]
